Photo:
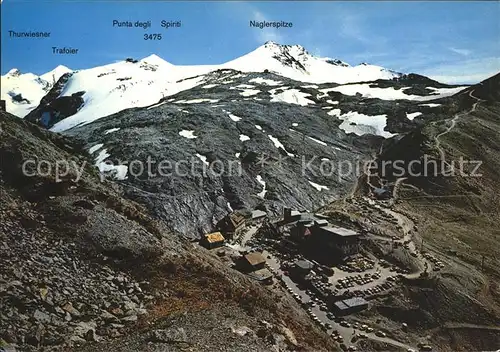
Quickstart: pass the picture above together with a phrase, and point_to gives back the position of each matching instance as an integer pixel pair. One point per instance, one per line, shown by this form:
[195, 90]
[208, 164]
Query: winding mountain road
[453, 124]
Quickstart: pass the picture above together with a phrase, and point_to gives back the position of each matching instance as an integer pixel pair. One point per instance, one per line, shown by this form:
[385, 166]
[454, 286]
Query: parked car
[345, 324]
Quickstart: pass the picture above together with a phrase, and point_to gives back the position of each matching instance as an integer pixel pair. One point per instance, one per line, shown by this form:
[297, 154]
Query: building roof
[354, 302]
[304, 264]
[341, 305]
[261, 274]
[258, 214]
[321, 222]
[321, 216]
[255, 258]
[237, 219]
[339, 231]
[214, 237]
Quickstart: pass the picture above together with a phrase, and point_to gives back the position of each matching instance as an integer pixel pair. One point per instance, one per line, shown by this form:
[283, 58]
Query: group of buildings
[310, 234]
[323, 243]
[230, 227]
[314, 232]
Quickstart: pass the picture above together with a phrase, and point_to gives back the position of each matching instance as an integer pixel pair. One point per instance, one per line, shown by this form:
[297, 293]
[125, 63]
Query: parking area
[317, 288]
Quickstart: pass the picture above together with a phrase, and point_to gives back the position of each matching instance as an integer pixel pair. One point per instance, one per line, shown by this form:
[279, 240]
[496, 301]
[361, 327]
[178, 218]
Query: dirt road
[437, 139]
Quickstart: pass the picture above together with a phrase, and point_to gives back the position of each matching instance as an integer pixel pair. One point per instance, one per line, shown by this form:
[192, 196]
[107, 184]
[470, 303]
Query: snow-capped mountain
[295, 62]
[84, 96]
[276, 101]
[130, 84]
[22, 92]
[53, 76]
[242, 117]
[127, 84]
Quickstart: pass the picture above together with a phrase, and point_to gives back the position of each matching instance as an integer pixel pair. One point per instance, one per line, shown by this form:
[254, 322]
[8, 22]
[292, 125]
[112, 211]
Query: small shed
[212, 240]
[252, 261]
[263, 276]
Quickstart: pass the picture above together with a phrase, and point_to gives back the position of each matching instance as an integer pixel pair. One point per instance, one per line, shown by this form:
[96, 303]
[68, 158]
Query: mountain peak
[14, 72]
[270, 44]
[55, 74]
[154, 59]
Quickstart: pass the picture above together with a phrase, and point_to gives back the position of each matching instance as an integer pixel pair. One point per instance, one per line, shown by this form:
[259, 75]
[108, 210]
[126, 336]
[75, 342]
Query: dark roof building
[231, 224]
[351, 305]
[331, 239]
[337, 231]
[304, 265]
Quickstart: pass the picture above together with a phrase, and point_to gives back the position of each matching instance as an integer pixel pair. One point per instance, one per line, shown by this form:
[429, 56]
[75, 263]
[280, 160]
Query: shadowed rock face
[54, 108]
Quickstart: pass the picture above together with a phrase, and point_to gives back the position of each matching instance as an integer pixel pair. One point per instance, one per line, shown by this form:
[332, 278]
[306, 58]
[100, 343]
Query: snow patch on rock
[360, 124]
[203, 158]
[317, 141]
[268, 82]
[187, 134]
[291, 96]
[390, 93]
[412, 115]
[263, 183]
[317, 186]
[111, 130]
[95, 148]
[279, 145]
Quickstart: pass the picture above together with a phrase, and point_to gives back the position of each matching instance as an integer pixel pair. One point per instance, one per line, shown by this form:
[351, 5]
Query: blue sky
[456, 42]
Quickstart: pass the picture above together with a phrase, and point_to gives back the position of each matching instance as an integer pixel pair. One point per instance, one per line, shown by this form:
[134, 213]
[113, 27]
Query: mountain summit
[295, 62]
[290, 61]
[23, 91]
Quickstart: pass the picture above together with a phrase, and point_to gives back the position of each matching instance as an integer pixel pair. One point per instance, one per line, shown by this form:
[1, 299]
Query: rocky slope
[456, 210]
[80, 263]
[240, 140]
[270, 142]
[468, 132]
